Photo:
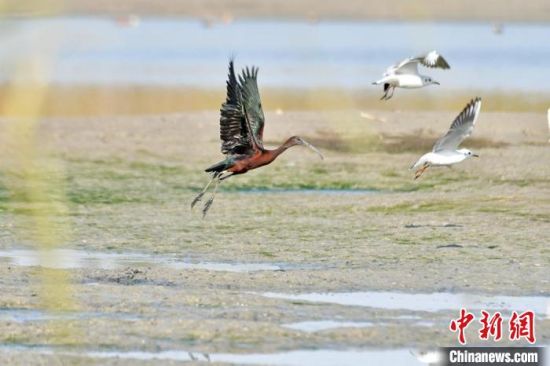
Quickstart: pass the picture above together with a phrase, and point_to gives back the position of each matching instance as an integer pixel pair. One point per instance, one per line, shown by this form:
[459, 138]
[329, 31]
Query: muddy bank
[150, 275]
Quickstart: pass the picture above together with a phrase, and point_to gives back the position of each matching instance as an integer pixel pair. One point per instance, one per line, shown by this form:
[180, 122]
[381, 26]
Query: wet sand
[363, 224]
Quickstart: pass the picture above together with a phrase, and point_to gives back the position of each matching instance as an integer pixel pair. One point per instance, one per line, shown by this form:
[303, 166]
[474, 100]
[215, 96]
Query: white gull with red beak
[445, 151]
[405, 74]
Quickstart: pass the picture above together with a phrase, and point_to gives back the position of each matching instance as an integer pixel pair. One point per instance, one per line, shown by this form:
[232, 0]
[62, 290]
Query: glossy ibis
[241, 133]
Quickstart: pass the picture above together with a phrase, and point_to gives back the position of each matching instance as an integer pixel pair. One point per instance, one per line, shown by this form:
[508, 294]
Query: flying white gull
[405, 74]
[445, 151]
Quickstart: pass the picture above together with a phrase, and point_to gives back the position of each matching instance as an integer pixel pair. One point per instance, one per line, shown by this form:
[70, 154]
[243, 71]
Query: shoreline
[213, 11]
[109, 100]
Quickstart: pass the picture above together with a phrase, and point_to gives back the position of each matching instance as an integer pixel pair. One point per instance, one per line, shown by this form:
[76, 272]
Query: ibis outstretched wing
[252, 104]
[233, 127]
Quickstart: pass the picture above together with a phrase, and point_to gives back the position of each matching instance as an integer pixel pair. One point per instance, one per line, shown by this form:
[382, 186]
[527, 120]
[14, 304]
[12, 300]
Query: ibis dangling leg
[199, 196]
[211, 199]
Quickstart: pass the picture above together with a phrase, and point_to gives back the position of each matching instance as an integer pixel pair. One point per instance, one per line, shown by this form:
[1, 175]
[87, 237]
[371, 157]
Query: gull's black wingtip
[446, 65]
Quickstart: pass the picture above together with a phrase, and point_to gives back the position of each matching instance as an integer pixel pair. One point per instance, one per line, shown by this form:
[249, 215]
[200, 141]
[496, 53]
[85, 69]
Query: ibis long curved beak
[436, 82]
[475, 155]
[307, 144]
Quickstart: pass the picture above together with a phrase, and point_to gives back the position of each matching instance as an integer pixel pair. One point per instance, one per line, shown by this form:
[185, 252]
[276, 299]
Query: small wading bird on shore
[405, 74]
[241, 132]
[445, 151]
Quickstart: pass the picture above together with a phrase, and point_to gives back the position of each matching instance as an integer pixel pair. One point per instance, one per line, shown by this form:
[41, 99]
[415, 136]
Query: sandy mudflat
[221, 10]
[353, 222]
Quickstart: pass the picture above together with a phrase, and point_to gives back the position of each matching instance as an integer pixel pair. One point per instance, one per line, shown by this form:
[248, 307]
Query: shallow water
[295, 54]
[24, 315]
[322, 325]
[291, 358]
[424, 302]
[33, 315]
[73, 259]
[319, 357]
[21, 315]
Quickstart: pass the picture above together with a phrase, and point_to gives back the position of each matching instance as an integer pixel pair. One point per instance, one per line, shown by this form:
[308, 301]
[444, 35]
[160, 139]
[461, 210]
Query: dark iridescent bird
[241, 132]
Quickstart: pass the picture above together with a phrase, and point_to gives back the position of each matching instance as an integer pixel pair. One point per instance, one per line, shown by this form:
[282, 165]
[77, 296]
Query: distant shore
[108, 100]
[212, 11]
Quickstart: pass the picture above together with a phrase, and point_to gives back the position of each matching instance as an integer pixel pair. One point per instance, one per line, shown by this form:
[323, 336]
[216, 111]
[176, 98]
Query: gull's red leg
[421, 170]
